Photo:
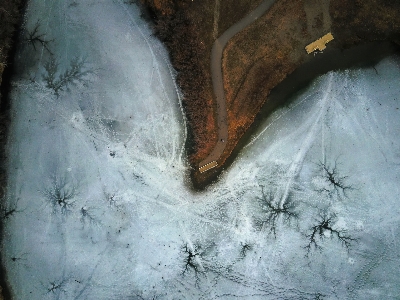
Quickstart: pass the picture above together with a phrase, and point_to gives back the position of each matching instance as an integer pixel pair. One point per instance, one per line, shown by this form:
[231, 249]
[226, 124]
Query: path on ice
[312, 130]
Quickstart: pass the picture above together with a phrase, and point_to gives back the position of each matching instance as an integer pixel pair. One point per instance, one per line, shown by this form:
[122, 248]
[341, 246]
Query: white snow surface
[98, 204]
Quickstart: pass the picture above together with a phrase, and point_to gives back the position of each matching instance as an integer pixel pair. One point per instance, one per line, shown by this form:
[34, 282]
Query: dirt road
[217, 79]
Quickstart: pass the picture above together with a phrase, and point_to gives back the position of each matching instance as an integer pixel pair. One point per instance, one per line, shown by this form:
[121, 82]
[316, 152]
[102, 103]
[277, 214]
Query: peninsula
[262, 62]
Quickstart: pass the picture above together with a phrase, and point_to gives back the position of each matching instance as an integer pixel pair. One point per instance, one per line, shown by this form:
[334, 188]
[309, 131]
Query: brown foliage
[190, 57]
[260, 57]
[256, 60]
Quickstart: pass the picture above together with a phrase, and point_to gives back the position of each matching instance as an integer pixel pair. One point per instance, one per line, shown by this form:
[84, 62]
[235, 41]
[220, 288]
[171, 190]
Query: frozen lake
[98, 203]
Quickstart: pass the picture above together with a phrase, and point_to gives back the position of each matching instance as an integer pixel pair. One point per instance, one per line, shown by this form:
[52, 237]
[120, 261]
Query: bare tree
[194, 255]
[272, 211]
[190, 258]
[336, 184]
[88, 216]
[244, 249]
[77, 72]
[319, 296]
[20, 259]
[111, 198]
[34, 37]
[56, 286]
[10, 210]
[61, 195]
[323, 228]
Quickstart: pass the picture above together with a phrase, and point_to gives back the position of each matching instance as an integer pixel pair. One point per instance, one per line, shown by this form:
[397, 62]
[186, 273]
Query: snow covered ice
[98, 203]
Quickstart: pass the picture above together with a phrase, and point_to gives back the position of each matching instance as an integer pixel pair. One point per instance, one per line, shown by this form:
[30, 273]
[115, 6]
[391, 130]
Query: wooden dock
[319, 44]
[208, 166]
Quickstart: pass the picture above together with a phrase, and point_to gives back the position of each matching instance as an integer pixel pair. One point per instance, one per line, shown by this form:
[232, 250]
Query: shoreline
[5, 121]
[218, 78]
[360, 56]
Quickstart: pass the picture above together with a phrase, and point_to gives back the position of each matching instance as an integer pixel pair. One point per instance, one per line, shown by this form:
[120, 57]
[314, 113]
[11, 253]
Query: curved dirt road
[217, 79]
